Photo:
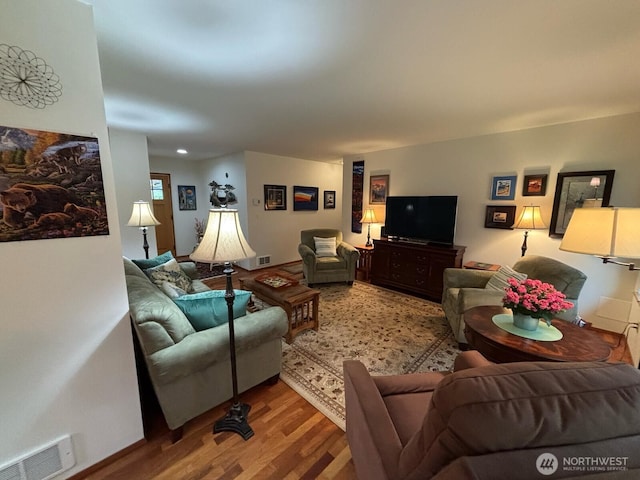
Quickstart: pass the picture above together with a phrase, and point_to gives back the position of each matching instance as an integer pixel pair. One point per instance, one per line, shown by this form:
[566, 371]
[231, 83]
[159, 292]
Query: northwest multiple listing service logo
[547, 464]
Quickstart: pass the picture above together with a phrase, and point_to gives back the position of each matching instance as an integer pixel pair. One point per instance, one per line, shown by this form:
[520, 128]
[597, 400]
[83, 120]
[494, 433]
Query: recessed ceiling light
[182, 151]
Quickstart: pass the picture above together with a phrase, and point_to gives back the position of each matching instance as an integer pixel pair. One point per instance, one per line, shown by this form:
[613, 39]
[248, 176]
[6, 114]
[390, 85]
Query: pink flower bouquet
[534, 298]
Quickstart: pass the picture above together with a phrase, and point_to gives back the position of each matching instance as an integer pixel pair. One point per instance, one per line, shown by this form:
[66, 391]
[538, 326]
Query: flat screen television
[430, 219]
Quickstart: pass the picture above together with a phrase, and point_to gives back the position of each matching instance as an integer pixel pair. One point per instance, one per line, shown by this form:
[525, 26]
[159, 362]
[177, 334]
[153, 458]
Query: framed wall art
[503, 188]
[534, 185]
[305, 198]
[329, 199]
[275, 197]
[50, 186]
[578, 190]
[187, 197]
[378, 189]
[500, 216]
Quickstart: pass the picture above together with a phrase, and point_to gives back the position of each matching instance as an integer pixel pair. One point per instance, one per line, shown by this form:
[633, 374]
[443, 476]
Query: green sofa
[190, 371]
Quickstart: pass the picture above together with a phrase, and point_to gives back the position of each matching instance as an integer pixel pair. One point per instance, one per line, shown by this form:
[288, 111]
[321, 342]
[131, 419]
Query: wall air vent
[264, 260]
[44, 463]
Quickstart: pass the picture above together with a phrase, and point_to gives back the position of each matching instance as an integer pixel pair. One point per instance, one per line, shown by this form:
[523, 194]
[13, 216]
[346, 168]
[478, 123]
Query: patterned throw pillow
[499, 279]
[325, 247]
[171, 290]
[209, 309]
[144, 263]
[170, 272]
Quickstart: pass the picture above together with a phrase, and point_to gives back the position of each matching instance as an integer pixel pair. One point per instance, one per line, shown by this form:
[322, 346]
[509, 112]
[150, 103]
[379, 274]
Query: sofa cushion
[169, 272]
[325, 247]
[209, 309]
[144, 263]
[498, 280]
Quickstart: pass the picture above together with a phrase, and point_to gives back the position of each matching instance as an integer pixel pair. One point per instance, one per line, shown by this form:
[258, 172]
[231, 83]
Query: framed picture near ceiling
[500, 216]
[578, 190]
[503, 187]
[305, 198]
[329, 199]
[187, 197]
[275, 197]
[534, 185]
[378, 189]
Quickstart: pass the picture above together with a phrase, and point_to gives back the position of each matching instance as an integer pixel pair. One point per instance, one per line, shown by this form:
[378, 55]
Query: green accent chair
[464, 289]
[339, 268]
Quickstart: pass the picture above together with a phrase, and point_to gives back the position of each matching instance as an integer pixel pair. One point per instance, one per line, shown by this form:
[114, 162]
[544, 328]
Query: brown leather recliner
[496, 421]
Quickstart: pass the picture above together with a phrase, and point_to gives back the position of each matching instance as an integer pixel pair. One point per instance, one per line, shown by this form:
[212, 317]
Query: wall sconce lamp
[530, 219]
[595, 183]
[142, 217]
[369, 217]
[604, 232]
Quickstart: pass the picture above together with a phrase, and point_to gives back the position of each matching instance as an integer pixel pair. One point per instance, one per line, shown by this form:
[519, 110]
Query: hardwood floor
[292, 439]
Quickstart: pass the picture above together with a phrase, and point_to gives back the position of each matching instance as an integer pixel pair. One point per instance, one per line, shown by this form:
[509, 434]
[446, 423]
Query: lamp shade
[223, 239]
[369, 216]
[142, 216]
[605, 232]
[530, 219]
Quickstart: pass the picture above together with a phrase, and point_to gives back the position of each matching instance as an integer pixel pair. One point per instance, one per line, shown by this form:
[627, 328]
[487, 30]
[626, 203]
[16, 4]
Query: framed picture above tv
[378, 189]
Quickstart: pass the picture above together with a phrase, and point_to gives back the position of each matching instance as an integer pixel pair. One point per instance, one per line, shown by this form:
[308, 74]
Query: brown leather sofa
[495, 421]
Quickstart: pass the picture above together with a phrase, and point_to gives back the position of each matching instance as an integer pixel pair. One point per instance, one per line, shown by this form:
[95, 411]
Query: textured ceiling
[320, 79]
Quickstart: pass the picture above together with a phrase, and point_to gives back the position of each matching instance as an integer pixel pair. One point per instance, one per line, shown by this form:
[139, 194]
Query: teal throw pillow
[144, 263]
[209, 309]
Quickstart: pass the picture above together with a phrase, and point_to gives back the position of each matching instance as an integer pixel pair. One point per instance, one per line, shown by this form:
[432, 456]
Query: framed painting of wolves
[50, 186]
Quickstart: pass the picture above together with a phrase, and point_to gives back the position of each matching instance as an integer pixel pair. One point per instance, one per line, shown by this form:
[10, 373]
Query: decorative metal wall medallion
[26, 79]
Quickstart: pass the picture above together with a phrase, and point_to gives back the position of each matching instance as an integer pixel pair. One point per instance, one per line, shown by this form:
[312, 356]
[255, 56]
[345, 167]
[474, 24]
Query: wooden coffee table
[299, 301]
[576, 345]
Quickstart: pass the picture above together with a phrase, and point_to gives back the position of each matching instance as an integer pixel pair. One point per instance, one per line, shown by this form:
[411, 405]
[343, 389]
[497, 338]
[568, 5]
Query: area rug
[294, 268]
[390, 332]
[206, 270]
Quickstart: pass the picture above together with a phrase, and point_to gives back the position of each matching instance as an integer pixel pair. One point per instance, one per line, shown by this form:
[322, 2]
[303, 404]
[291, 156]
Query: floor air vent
[264, 260]
[42, 464]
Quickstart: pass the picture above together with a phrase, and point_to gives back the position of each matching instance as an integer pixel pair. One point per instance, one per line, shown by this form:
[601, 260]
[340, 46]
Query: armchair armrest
[407, 383]
[307, 254]
[464, 278]
[348, 252]
[470, 359]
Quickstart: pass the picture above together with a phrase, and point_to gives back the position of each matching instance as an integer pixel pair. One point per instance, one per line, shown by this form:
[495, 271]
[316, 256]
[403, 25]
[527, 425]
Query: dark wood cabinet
[413, 266]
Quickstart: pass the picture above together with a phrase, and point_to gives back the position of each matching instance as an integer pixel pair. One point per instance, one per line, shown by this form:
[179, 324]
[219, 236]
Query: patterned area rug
[390, 332]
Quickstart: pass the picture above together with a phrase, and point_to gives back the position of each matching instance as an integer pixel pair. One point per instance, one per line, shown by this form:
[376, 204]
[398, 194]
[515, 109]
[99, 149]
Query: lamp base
[235, 421]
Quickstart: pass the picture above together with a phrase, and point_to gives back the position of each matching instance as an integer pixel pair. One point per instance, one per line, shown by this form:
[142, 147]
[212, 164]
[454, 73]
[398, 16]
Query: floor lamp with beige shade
[224, 242]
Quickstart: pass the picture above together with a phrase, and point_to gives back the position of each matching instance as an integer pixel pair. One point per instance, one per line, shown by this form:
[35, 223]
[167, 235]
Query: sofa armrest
[465, 278]
[408, 383]
[201, 349]
[470, 359]
[190, 269]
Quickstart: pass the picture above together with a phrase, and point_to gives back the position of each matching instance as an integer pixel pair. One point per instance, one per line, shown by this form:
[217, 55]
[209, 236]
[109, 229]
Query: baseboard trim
[110, 459]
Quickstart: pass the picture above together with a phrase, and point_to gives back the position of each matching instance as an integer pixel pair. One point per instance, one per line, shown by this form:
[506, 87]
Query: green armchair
[464, 289]
[340, 267]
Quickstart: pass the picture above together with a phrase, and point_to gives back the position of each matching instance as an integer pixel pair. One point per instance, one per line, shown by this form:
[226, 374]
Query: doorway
[163, 211]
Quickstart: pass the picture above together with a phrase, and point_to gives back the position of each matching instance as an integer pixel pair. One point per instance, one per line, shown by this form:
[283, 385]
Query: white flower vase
[526, 322]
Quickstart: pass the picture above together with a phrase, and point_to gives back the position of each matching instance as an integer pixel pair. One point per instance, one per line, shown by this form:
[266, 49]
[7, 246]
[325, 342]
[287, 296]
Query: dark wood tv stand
[412, 266]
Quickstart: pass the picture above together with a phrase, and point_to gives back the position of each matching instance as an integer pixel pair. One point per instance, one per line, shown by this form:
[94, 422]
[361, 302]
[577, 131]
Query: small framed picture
[503, 188]
[187, 197]
[378, 189]
[305, 198]
[329, 199]
[275, 197]
[534, 185]
[500, 216]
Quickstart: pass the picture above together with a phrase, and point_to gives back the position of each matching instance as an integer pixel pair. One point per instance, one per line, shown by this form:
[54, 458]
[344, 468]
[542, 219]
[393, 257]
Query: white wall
[465, 168]
[66, 357]
[273, 233]
[277, 232]
[131, 173]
